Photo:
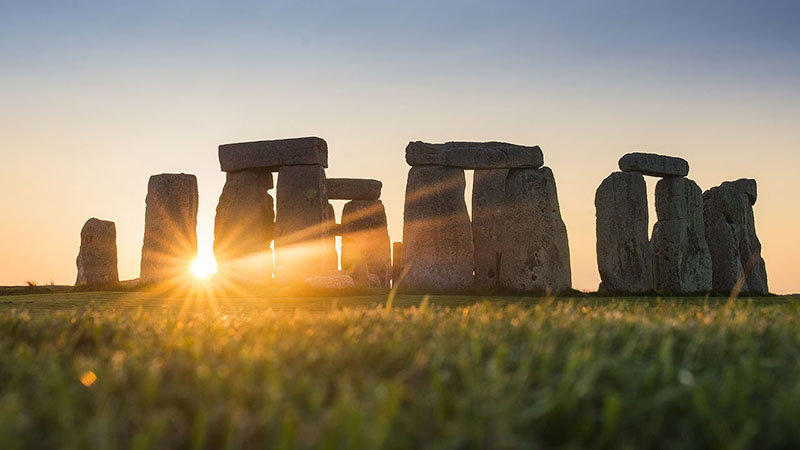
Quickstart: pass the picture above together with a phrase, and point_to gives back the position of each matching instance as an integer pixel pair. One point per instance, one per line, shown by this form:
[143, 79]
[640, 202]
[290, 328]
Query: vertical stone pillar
[624, 255]
[97, 259]
[170, 227]
[301, 223]
[488, 196]
[365, 239]
[681, 259]
[535, 246]
[437, 234]
[244, 227]
[332, 259]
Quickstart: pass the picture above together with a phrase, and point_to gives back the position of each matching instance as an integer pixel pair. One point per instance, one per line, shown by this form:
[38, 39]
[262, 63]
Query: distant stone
[734, 246]
[302, 223]
[474, 155]
[535, 248]
[365, 239]
[488, 226]
[437, 235]
[681, 258]
[332, 282]
[244, 227]
[170, 227]
[747, 186]
[397, 262]
[624, 255]
[97, 259]
[654, 165]
[273, 154]
[354, 189]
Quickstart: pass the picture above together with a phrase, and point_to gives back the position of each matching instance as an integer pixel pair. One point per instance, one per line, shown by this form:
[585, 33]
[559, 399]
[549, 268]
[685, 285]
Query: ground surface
[137, 370]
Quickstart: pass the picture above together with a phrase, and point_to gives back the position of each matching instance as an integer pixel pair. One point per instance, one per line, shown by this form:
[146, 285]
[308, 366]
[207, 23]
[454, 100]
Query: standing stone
[488, 196]
[624, 256]
[535, 247]
[437, 235]
[244, 226]
[354, 189]
[301, 224]
[734, 246]
[681, 260]
[365, 240]
[397, 262]
[170, 227]
[97, 259]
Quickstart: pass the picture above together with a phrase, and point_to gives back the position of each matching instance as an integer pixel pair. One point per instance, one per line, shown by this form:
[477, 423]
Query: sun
[204, 266]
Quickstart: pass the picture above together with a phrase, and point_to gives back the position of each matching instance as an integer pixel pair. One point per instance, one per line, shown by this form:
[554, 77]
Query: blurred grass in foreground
[100, 371]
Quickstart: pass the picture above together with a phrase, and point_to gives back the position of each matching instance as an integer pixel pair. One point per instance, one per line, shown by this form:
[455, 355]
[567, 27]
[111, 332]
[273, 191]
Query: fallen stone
[97, 258]
[535, 248]
[437, 235]
[244, 227]
[365, 240]
[654, 165]
[170, 227]
[354, 189]
[332, 282]
[681, 258]
[274, 154]
[302, 223]
[488, 197]
[733, 244]
[474, 155]
[624, 255]
[745, 185]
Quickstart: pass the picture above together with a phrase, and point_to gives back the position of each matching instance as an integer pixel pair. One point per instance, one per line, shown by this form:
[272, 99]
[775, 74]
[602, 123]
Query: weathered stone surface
[681, 260]
[97, 259]
[654, 165]
[302, 223]
[354, 189]
[732, 241]
[535, 248]
[170, 227]
[624, 255]
[437, 235]
[488, 197]
[365, 239]
[332, 282]
[397, 262]
[244, 227]
[747, 186]
[474, 155]
[273, 154]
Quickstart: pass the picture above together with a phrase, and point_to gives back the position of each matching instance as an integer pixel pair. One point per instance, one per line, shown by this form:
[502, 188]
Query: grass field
[133, 370]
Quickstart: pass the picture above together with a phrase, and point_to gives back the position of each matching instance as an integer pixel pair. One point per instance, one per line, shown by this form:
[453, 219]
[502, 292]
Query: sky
[97, 96]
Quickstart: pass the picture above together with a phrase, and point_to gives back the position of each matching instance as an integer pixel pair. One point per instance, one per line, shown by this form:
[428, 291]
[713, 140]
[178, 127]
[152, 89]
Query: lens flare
[204, 266]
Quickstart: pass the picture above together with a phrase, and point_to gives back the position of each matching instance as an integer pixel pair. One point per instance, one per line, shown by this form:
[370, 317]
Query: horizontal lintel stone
[654, 165]
[354, 189]
[273, 154]
[474, 155]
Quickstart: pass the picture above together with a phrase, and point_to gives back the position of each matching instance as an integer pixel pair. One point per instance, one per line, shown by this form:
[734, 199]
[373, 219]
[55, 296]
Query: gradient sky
[97, 96]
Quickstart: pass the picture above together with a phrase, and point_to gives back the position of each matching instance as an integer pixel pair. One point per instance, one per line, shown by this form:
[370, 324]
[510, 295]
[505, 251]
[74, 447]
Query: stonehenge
[97, 259]
[170, 227]
[516, 239]
[733, 244]
[624, 255]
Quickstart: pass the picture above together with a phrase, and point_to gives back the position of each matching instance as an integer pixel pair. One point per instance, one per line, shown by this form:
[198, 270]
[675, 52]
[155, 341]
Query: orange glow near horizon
[204, 266]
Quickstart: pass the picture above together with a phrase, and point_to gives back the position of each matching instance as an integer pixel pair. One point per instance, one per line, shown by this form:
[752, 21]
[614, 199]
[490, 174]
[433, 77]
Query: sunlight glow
[204, 266]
